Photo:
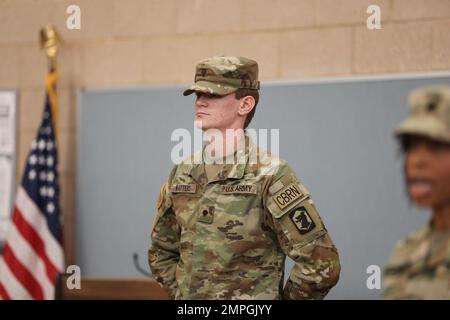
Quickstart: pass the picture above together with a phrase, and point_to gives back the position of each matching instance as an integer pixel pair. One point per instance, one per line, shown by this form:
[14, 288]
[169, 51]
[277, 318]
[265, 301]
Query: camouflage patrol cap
[429, 114]
[222, 75]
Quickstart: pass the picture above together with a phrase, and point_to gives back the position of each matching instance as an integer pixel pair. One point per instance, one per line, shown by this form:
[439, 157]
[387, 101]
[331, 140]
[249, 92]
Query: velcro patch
[287, 195]
[276, 187]
[184, 188]
[302, 220]
[240, 189]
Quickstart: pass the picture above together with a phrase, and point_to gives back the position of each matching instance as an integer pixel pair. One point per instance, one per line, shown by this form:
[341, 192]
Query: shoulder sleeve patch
[163, 203]
[302, 224]
[302, 220]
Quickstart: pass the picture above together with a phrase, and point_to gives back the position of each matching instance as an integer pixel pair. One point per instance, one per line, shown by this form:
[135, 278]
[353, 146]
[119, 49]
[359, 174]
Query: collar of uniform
[228, 171]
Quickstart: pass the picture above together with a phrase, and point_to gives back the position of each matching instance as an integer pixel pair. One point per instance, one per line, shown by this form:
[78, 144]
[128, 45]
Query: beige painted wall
[152, 42]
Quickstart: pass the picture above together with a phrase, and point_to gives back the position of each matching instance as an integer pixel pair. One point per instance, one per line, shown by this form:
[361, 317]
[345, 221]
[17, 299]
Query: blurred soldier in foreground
[225, 223]
[420, 264]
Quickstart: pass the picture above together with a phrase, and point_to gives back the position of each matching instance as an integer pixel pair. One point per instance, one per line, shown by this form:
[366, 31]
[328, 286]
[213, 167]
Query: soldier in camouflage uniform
[224, 228]
[420, 264]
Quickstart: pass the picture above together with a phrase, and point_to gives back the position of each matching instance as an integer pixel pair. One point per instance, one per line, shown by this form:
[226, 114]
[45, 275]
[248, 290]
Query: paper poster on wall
[6, 175]
[7, 157]
[7, 122]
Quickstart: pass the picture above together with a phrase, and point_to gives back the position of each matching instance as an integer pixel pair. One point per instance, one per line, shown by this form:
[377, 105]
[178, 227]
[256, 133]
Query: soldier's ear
[247, 104]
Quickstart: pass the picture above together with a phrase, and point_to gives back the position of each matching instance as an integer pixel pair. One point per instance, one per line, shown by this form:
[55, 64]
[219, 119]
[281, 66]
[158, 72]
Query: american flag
[33, 255]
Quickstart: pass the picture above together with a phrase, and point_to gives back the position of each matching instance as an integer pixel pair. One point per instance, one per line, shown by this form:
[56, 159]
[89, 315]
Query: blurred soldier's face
[218, 112]
[427, 167]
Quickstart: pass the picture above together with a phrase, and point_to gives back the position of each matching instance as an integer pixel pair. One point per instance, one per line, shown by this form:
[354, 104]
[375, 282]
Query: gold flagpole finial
[49, 40]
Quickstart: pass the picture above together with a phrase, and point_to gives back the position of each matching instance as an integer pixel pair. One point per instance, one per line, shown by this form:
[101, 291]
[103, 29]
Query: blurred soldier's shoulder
[412, 248]
[419, 267]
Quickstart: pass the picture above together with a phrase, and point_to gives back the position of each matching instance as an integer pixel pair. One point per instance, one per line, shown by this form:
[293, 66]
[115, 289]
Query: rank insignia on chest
[184, 188]
[206, 215]
[302, 220]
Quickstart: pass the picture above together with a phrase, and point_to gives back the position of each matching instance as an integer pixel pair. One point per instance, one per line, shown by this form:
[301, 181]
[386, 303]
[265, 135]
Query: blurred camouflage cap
[224, 74]
[429, 114]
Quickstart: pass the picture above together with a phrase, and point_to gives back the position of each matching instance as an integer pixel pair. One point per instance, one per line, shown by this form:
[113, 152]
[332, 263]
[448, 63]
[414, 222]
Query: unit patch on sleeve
[302, 220]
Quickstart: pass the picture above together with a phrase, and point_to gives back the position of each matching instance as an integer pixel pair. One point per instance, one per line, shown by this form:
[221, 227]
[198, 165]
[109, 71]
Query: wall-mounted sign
[7, 157]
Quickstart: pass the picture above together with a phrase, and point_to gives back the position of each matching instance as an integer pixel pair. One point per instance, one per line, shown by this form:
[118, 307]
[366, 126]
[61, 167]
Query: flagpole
[50, 39]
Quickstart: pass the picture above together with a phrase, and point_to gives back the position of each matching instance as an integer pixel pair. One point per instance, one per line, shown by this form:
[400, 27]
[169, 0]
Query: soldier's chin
[422, 202]
[202, 124]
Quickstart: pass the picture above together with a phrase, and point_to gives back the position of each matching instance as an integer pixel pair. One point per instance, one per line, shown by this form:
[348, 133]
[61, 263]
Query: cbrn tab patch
[287, 195]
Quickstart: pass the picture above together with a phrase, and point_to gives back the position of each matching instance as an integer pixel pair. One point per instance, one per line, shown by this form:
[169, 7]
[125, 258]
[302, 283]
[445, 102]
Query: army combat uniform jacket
[419, 267]
[226, 235]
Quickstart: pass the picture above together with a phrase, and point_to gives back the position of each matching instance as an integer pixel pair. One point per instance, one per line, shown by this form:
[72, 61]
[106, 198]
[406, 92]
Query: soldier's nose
[201, 104]
[418, 157]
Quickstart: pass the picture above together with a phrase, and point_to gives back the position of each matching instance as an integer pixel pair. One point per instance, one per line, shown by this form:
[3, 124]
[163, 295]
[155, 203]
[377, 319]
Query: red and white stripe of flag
[32, 257]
